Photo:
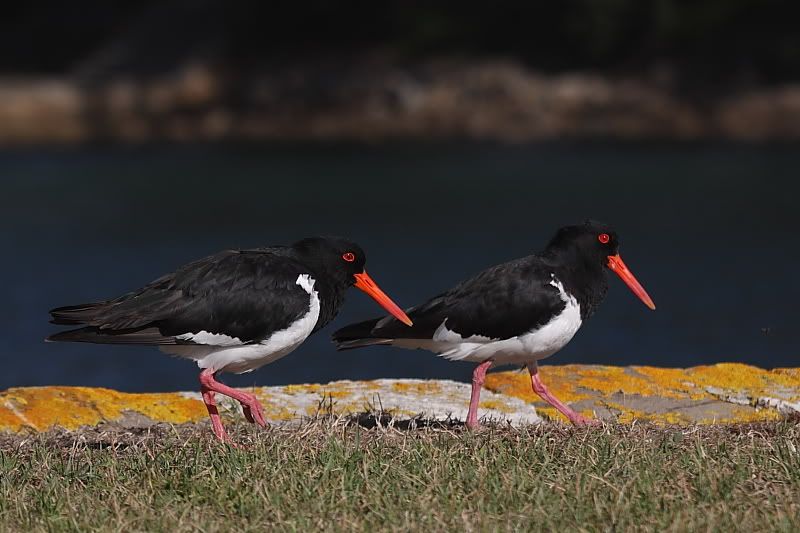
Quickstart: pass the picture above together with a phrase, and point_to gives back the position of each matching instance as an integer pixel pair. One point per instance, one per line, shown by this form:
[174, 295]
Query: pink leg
[213, 413]
[252, 409]
[478, 377]
[541, 390]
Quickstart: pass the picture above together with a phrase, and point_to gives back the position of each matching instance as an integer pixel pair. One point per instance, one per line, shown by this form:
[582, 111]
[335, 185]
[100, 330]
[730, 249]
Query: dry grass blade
[372, 472]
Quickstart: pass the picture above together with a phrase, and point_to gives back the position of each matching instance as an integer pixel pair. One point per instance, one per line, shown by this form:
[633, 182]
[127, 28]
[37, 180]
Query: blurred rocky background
[189, 70]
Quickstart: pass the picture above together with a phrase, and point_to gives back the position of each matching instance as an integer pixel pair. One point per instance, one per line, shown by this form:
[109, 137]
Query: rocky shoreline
[446, 99]
[722, 393]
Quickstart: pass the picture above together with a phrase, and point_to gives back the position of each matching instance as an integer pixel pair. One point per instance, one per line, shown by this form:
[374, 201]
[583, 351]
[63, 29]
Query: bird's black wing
[245, 295]
[499, 303]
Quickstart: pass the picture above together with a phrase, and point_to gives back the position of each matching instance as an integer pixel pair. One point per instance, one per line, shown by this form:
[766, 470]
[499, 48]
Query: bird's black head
[335, 257]
[343, 262]
[591, 241]
[594, 245]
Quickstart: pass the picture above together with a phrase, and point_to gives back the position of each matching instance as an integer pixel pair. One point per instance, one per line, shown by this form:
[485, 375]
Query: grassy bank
[342, 476]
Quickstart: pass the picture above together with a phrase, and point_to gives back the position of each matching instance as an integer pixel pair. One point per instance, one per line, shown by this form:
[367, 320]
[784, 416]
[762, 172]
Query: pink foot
[213, 413]
[250, 405]
[581, 420]
[253, 411]
[539, 388]
[478, 378]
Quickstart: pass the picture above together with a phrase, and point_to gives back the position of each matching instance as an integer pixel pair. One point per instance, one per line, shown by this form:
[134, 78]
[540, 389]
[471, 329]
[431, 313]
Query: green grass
[337, 475]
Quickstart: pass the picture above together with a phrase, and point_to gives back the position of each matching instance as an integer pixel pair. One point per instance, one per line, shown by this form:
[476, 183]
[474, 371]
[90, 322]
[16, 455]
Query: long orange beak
[366, 284]
[617, 265]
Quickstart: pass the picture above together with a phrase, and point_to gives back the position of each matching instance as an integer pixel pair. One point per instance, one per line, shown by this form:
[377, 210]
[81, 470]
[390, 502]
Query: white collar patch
[306, 282]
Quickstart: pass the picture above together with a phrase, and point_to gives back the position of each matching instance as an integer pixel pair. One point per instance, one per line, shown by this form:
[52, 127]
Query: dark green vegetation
[340, 476]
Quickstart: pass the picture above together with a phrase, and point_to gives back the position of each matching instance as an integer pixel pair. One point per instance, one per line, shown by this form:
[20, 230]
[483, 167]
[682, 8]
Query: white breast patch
[213, 339]
[531, 346]
[240, 358]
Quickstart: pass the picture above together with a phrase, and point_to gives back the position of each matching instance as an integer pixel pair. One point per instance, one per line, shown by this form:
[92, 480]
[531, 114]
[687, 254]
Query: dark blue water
[710, 230]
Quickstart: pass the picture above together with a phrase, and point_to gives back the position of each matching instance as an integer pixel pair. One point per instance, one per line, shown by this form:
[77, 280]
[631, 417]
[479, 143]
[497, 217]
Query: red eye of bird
[349, 257]
[604, 238]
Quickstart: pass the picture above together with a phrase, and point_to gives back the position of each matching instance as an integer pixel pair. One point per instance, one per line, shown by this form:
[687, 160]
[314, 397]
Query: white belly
[229, 354]
[531, 346]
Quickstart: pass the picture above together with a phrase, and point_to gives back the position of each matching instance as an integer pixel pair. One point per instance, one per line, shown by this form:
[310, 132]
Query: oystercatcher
[233, 311]
[514, 313]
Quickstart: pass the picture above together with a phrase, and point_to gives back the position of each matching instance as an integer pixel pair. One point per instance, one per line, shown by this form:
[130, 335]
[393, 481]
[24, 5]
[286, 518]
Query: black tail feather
[359, 330]
[360, 343]
[358, 335]
[72, 315]
[146, 336]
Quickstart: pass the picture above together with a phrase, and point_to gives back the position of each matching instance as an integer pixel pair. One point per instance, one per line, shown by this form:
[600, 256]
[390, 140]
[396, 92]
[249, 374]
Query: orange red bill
[617, 265]
[368, 285]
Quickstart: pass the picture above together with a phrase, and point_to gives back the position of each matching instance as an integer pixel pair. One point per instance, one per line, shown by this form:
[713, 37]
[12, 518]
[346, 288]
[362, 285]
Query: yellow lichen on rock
[739, 377]
[426, 387]
[72, 407]
[9, 421]
[729, 392]
[679, 390]
[274, 409]
[559, 379]
[302, 389]
[791, 372]
[671, 382]
[494, 405]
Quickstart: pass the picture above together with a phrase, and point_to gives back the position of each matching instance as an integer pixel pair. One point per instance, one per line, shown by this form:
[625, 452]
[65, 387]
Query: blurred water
[710, 230]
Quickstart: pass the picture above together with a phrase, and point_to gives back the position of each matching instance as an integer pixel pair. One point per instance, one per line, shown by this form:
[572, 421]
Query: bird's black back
[246, 294]
[508, 299]
[500, 302]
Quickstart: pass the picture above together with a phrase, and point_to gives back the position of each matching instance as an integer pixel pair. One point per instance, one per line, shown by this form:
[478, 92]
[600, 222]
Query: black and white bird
[517, 312]
[234, 311]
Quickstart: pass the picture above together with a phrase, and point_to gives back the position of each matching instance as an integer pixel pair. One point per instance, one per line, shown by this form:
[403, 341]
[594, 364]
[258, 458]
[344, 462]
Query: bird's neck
[583, 277]
[330, 287]
[331, 297]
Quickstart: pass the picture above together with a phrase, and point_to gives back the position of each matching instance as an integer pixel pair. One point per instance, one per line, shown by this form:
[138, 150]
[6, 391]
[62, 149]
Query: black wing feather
[501, 302]
[244, 295]
[147, 336]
